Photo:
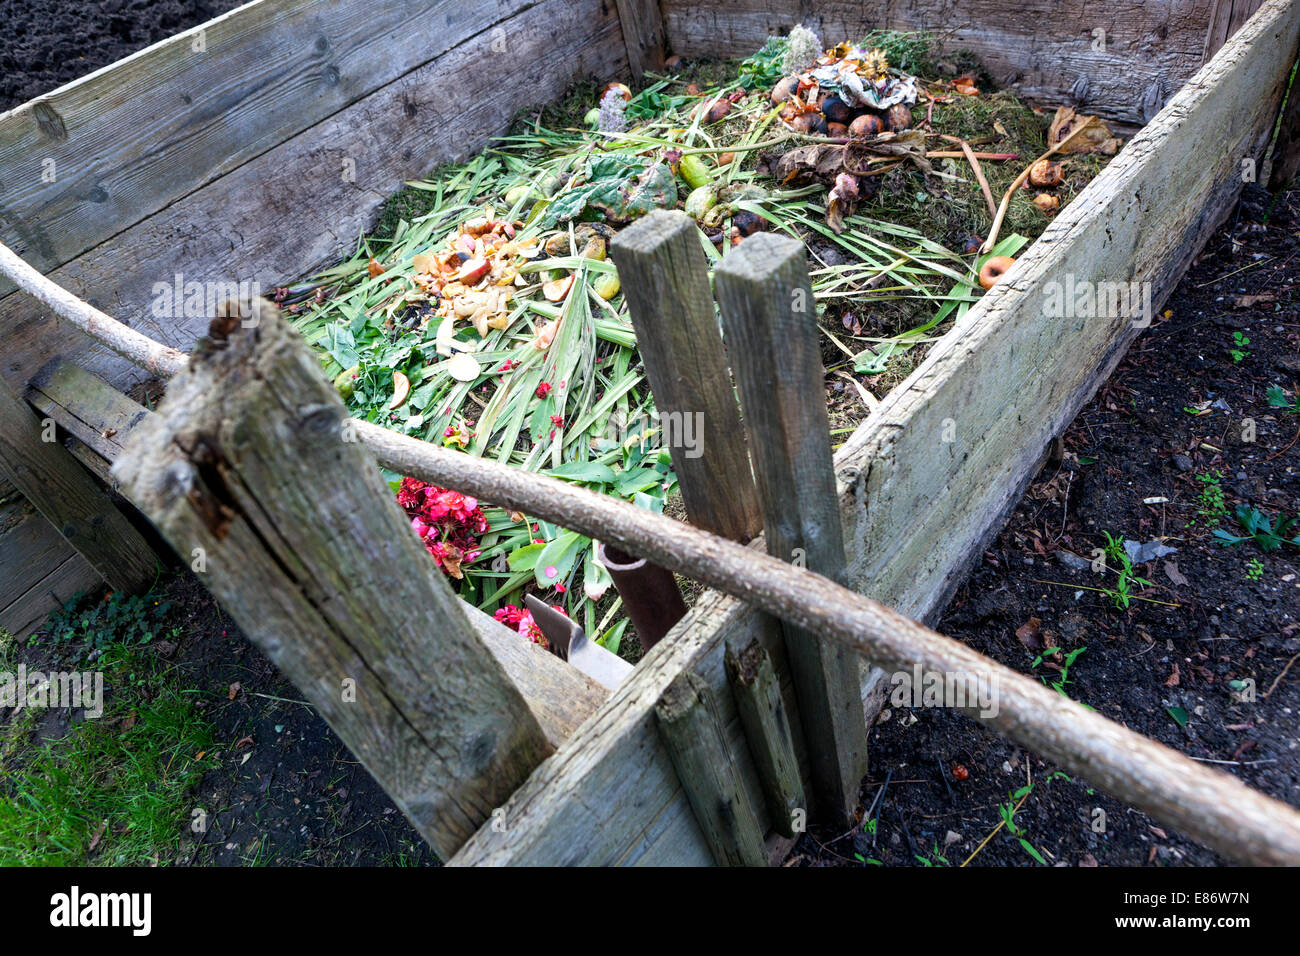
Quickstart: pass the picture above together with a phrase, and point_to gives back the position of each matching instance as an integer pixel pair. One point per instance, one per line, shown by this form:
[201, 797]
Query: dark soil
[46, 43]
[1136, 440]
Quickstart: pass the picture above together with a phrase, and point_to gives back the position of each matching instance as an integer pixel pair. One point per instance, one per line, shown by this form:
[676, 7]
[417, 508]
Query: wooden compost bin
[257, 146]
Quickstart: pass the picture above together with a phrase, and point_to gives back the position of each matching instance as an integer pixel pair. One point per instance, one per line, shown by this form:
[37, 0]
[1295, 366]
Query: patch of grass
[113, 790]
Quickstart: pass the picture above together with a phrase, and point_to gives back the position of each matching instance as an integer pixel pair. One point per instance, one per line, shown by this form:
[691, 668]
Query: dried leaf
[235, 688]
[401, 389]
[965, 85]
[374, 268]
[1175, 576]
[1072, 133]
[1030, 633]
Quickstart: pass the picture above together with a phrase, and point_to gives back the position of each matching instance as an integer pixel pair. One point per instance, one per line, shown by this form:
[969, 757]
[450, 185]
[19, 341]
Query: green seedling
[1269, 533]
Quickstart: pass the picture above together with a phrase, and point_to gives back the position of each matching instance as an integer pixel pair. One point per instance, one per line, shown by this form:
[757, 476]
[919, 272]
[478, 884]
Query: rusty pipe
[649, 592]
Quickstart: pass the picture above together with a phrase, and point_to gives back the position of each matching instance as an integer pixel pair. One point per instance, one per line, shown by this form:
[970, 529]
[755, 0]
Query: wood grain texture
[1044, 48]
[309, 552]
[291, 208]
[28, 612]
[762, 712]
[883, 492]
[130, 139]
[697, 744]
[643, 33]
[1285, 162]
[768, 311]
[85, 406]
[666, 283]
[1226, 18]
[65, 493]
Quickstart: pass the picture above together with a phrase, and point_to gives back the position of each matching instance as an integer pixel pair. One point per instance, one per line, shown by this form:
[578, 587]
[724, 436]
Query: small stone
[1183, 463]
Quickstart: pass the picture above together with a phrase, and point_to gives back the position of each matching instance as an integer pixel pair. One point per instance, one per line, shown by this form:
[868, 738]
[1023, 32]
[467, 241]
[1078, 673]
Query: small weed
[1211, 507]
[1254, 570]
[1122, 594]
[1060, 683]
[1239, 340]
[1261, 529]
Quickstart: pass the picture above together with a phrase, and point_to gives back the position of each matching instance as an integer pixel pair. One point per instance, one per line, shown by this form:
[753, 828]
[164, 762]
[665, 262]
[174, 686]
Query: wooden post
[665, 279]
[65, 493]
[771, 325]
[251, 467]
[692, 731]
[767, 729]
[643, 34]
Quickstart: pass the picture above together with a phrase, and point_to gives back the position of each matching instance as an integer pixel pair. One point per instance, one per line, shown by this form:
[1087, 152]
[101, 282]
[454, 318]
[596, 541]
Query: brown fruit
[718, 111]
[994, 269]
[836, 129]
[899, 116]
[673, 63]
[747, 223]
[784, 89]
[1047, 202]
[804, 122]
[1046, 175]
[866, 125]
[726, 159]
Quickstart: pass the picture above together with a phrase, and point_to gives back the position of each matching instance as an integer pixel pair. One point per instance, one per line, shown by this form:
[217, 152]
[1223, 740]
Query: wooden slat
[768, 311]
[291, 208]
[30, 549]
[1142, 218]
[1045, 48]
[643, 33]
[665, 279]
[762, 711]
[130, 139]
[1226, 18]
[697, 745]
[70, 499]
[85, 406]
[74, 576]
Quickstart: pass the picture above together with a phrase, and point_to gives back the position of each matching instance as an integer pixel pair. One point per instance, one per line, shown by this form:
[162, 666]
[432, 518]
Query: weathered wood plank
[767, 729]
[1286, 151]
[303, 202]
[30, 549]
[612, 761]
[90, 159]
[1226, 18]
[74, 576]
[85, 406]
[643, 33]
[666, 282]
[300, 537]
[697, 744]
[768, 311]
[68, 497]
[1047, 49]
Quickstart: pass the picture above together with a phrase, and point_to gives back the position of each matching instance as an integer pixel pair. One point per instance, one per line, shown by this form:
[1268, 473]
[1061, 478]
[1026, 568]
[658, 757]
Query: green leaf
[557, 558]
[1031, 851]
[584, 471]
[1178, 714]
[525, 558]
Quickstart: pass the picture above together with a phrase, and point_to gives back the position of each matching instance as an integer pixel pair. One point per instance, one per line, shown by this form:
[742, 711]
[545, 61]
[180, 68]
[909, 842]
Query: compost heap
[489, 318]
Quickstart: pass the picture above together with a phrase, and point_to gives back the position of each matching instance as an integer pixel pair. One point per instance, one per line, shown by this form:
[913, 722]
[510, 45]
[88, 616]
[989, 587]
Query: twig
[1278, 678]
[994, 833]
